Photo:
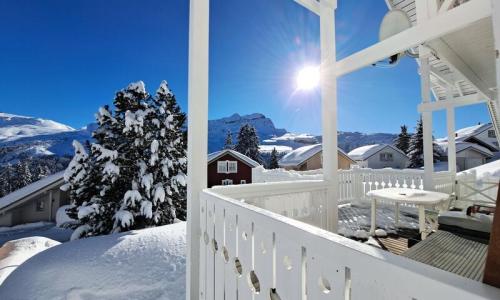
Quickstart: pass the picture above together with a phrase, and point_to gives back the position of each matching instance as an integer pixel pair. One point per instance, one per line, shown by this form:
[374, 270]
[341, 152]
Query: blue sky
[62, 59]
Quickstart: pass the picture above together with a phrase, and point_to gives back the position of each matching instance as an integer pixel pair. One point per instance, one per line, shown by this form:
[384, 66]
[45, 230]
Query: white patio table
[419, 198]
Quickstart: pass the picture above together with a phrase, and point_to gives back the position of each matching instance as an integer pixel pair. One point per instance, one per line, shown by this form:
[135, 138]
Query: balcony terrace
[279, 240]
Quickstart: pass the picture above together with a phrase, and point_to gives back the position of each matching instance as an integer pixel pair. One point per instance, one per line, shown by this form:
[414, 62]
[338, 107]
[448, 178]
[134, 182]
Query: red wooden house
[228, 167]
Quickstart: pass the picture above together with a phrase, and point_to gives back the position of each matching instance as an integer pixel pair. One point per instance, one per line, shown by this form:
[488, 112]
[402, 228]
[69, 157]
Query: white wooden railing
[356, 182]
[248, 252]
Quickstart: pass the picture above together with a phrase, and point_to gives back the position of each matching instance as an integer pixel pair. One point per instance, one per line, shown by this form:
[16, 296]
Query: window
[491, 133]
[40, 205]
[227, 167]
[227, 182]
[221, 167]
[386, 157]
[232, 167]
[243, 181]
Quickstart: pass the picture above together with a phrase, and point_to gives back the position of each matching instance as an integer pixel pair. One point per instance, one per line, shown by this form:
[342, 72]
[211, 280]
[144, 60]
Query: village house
[481, 134]
[379, 156]
[469, 155]
[311, 158]
[35, 202]
[228, 167]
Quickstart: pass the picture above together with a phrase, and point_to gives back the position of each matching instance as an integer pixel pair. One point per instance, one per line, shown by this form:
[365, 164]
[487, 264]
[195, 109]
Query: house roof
[468, 132]
[300, 155]
[364, 152]
[461, 146]
[31, 189]
[243, 158]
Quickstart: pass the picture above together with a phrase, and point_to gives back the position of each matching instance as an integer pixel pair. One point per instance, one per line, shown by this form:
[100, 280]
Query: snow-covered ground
[141, 264]
[14, 253]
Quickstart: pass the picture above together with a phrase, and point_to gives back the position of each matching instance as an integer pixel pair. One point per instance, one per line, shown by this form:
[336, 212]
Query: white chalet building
[379, 156]
[481, 134]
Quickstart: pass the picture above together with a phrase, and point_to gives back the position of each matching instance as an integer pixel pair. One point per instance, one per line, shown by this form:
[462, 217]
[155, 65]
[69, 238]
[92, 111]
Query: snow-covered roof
[215, 155]
[364, 152]
[31, 189]
[300, 155]
[461, 146]
[467, 132]
[297, 137]
[279, 148]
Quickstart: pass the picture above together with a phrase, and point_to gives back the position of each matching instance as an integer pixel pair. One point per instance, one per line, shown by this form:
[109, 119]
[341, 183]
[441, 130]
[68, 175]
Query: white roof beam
[311, 5]
[448, 22]
[444, 78]
[456, 63]
[456, 102]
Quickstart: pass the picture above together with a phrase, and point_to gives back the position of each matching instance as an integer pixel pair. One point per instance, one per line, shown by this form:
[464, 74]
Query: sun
[308, 78]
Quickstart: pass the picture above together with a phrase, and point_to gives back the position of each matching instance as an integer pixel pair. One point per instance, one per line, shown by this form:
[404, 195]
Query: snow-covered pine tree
[273, 163]
[159, 194]
[139, 161]
[402, 142]
[23, 175]
[228, 143]
[76, 179]
[248, 142]
[416, 147]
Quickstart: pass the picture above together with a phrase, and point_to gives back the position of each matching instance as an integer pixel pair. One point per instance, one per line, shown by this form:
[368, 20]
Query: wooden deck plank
[452, 253]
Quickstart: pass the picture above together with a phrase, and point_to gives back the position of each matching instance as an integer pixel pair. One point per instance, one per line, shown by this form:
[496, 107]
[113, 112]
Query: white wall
[399, 161]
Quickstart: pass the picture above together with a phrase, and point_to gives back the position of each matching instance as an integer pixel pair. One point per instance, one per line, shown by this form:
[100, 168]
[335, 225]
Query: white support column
[197, 137]
[425, 80]
[496, 34]
[450, 125]
[329, 109]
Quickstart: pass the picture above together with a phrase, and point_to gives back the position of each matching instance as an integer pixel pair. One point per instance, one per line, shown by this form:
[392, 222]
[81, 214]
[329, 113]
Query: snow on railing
[248, 252]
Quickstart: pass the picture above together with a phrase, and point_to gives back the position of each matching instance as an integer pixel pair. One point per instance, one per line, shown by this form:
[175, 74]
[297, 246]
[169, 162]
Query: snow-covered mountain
[13, 127]
[22, 136]
[217, 129]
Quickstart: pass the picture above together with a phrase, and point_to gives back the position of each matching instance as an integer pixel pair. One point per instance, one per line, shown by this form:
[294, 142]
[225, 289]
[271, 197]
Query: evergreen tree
[273, 163]
[248, 142]
[137, 167]
[416, 147]
[402, 142]
[228, 144]
[23, 175]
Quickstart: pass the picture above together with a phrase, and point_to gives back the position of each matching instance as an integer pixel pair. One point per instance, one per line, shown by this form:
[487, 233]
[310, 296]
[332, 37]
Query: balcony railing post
[197, 140]
[329, 109]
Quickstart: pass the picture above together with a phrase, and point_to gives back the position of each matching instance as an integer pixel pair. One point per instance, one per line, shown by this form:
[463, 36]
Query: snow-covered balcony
[278, 240]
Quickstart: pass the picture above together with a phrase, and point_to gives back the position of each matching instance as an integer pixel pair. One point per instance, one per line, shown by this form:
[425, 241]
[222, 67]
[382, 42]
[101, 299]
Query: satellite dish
[394, 22]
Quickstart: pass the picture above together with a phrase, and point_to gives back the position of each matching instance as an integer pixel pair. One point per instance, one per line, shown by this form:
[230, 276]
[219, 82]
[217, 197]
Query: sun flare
[308, 78]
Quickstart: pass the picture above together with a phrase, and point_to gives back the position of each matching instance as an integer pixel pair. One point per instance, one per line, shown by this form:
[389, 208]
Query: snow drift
[141, 264]
[14, 253]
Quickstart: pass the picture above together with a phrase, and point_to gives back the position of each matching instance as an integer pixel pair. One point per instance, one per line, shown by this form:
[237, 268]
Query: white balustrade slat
[218, 246]
[210, 258]
[245, 252]
[288, 267]
[325, 275]
[203, 247]
[231, 238]
[263, 260]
